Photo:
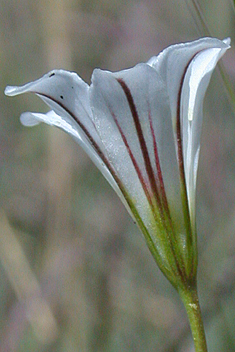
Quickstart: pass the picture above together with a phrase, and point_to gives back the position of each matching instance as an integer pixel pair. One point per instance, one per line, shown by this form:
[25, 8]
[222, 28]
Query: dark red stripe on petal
[111, 169]
[178, 128]
[151, 176]
[158, 167]
[179, 137]
[178, 132]
[135, 164]
[145, 188]
[76, 119]
[94, 145]
[142, 142]
[104, 158]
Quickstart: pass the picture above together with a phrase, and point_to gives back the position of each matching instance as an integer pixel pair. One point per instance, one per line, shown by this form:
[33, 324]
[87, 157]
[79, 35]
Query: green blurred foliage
[75, 273]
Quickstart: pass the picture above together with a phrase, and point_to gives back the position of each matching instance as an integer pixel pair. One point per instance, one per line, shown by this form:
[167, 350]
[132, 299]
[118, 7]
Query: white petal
[31, 119]
[113, 116]
[132, 110]
[67, 94]
[172, 62]
[51, 118]
[194, 87]
[201, 66]
[186, 69]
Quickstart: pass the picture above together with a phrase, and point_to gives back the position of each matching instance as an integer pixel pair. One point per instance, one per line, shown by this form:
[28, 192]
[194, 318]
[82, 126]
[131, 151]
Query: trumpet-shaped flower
[141, 127]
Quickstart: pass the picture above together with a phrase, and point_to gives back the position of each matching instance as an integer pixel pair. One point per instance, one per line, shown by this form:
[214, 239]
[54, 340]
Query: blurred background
[75, 272]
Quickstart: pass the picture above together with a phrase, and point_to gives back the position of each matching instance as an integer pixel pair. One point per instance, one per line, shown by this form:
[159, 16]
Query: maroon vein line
[141, 178]
[107, 163]
[138, 171]
[158, 166]
[180, 152]
[178, 130]
[148, 164]
[102, 156]
[178, 134]
[93, 143]
[140, 135]
[147, 160]
[83, 128]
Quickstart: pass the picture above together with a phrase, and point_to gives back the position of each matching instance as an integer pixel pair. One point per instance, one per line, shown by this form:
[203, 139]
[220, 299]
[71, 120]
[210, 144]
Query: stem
[189, 297]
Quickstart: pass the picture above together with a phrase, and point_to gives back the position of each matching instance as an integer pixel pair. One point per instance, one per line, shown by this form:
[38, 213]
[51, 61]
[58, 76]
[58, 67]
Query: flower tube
[141, 127]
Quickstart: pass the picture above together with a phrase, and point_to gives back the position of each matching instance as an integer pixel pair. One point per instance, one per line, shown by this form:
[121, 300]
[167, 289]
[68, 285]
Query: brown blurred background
[75, 273]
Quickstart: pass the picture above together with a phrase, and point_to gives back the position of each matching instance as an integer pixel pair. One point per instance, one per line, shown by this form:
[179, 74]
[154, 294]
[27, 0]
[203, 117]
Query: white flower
[142, 127]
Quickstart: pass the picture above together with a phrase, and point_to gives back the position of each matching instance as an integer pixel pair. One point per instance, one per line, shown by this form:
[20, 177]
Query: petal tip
[10, 90]
[96, 74]
[28, 119]
[227, 41]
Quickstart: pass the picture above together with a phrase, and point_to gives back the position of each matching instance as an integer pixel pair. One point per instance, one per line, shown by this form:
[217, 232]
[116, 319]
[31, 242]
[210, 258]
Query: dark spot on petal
[62, 97]
[72, 87]
[52, 74]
